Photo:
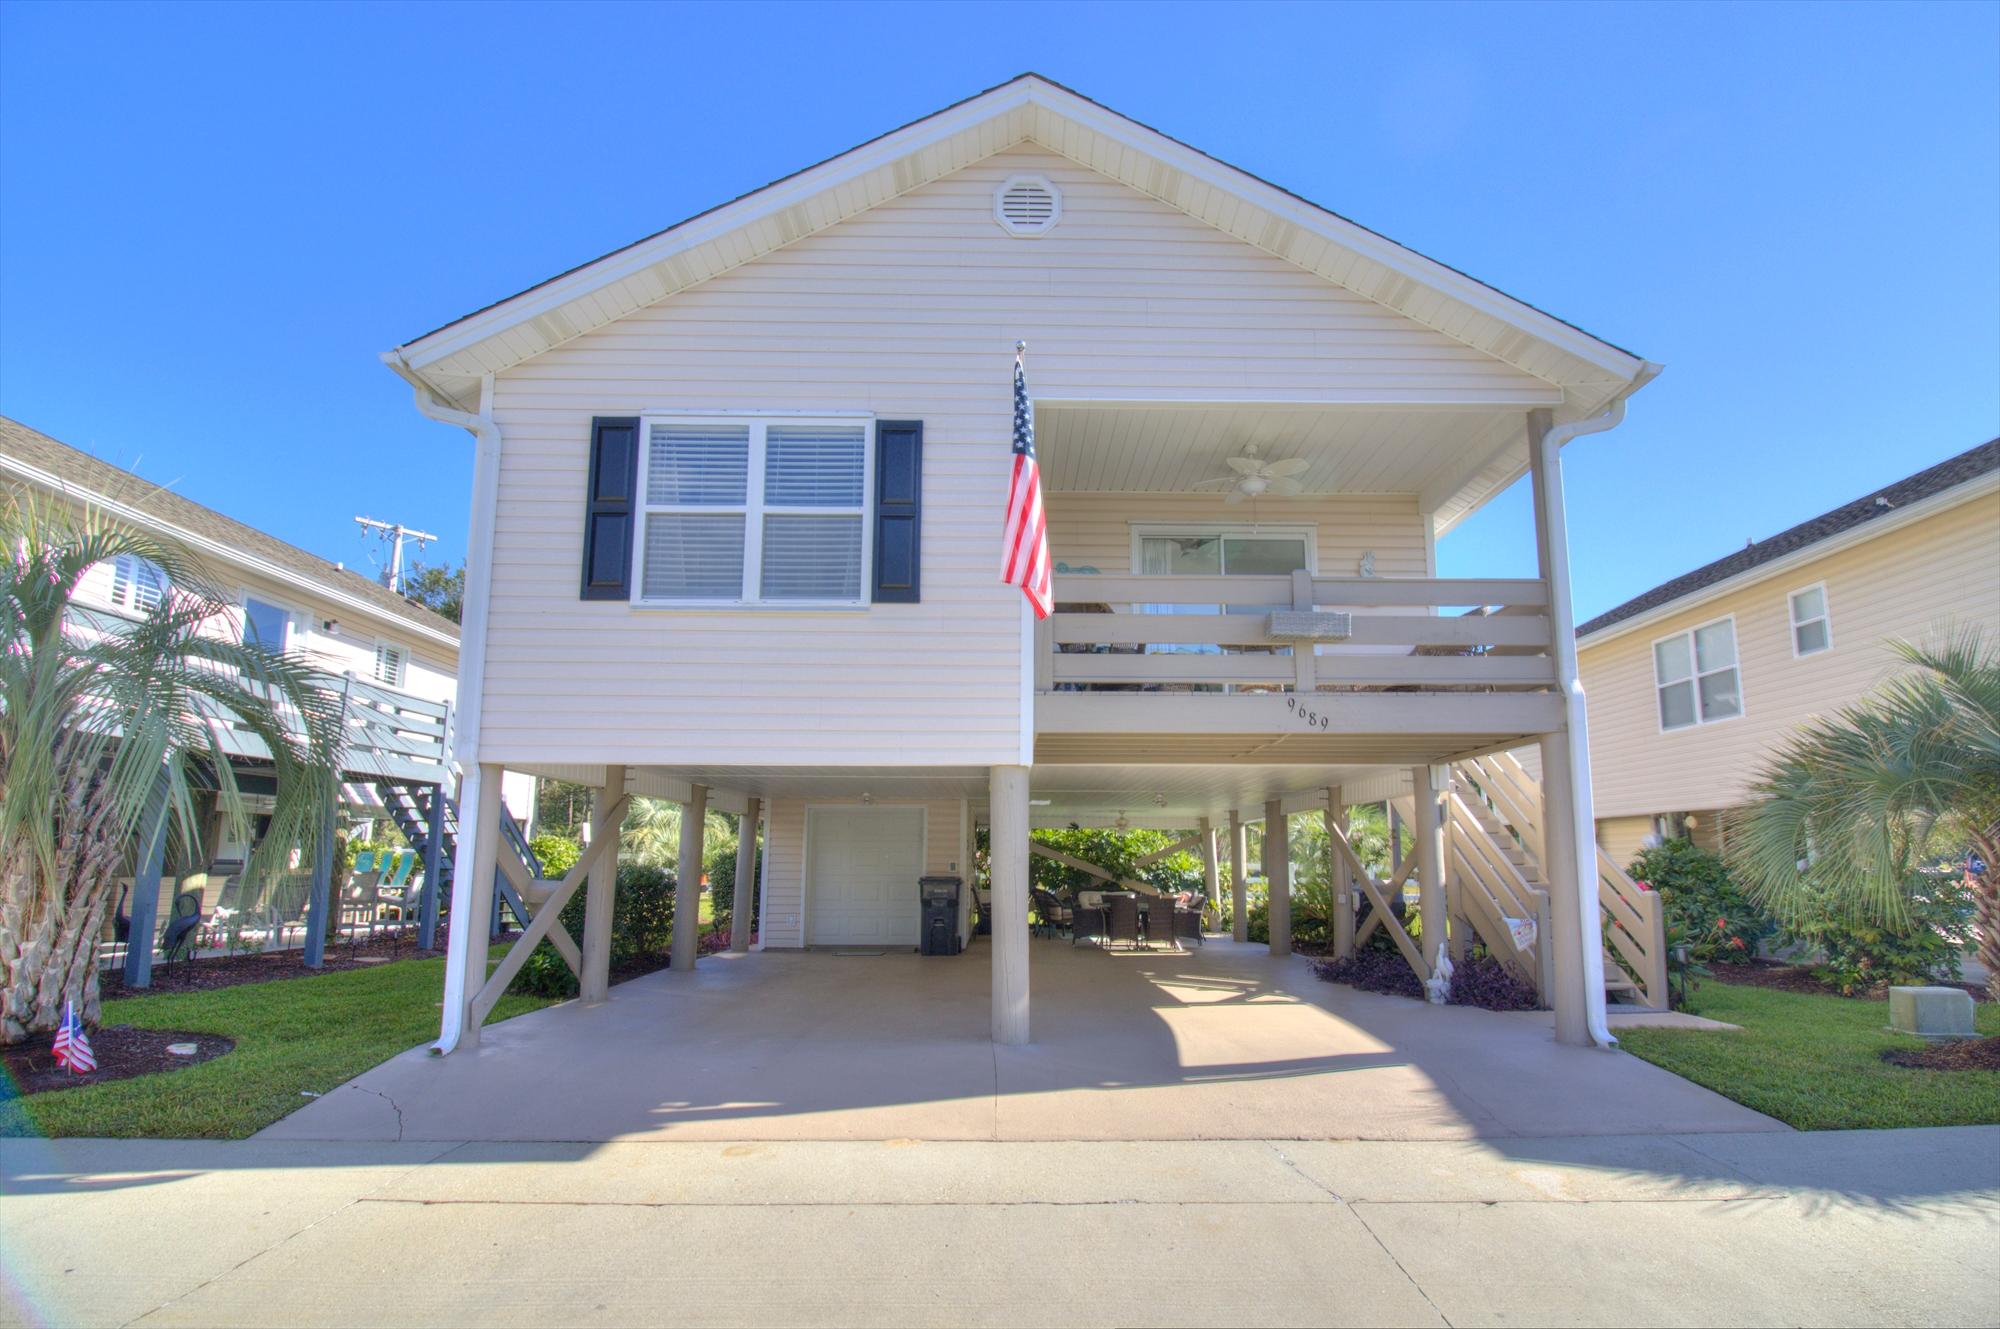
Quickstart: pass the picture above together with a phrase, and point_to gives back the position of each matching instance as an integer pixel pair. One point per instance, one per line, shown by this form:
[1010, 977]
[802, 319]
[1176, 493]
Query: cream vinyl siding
[782, 913]
[1095, 530]
[1623, 838]
[908, 311]
[1903, 583]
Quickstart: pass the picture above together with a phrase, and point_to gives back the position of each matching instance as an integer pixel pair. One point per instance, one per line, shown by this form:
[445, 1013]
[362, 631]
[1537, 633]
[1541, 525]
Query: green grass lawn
[1815, 1062]
[293, 1036]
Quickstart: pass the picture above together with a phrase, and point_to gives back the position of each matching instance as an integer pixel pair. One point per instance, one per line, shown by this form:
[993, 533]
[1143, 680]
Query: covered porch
[1227, 1042]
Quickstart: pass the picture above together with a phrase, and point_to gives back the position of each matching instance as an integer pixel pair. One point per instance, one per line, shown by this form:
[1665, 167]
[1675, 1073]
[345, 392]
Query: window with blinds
[755, 511]
[136, 584]
[392, 662]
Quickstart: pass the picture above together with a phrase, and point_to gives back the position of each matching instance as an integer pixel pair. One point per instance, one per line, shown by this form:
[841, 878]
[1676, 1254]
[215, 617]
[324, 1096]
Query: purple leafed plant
[1484, 982]
[1372, 971]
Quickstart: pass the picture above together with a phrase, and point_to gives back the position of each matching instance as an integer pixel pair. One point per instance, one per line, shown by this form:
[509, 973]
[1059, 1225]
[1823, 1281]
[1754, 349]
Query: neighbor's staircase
[1494, 876]
[410, 807]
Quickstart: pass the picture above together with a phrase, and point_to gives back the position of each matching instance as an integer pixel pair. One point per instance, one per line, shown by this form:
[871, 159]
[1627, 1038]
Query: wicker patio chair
[1187, 923]
[1121, 922]
[1087, 922]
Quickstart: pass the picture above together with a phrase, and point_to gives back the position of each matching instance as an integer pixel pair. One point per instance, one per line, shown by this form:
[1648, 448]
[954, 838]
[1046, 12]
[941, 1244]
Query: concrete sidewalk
[1898, 1227]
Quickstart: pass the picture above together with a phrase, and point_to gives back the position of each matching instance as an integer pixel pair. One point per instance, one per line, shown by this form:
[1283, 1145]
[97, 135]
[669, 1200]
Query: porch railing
[1296, 633]
[389, 735]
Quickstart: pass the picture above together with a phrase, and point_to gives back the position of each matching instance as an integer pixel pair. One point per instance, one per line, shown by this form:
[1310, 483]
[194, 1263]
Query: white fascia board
[1833, 544]
[814, 180]
[224, 553]
[450, 340]
[1349, 235]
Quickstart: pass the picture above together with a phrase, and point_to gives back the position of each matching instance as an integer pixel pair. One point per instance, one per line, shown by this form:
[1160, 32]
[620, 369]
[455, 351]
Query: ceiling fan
[1256, 478]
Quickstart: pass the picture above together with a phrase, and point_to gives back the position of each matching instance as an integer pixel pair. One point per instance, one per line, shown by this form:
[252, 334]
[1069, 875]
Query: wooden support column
[1211, 875]
[601, 894]
[1569, 830]
[1566, 981]
[687, 881]
[743, 908]
[323, 911]
[427, 908]
[1239, 890]
[480, 810]
[1338, 877]
[1429, 830]
[145, 914]
[1007, 793]
[1278, 875]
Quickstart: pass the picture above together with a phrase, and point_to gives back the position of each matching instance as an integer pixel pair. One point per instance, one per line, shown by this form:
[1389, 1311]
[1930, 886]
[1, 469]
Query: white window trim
[294, 638]
[1695, 676]
[135, 610]
[753, 509]
[1306, 531]
[1825, 616]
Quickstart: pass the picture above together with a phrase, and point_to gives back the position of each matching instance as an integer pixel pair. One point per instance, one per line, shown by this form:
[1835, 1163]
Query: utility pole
[394, 534]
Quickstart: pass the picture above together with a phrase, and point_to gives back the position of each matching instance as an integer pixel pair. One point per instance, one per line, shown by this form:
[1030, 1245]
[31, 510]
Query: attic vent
[1027, 205]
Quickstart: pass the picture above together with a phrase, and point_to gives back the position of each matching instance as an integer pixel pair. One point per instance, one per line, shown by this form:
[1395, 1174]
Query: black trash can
[940, 927]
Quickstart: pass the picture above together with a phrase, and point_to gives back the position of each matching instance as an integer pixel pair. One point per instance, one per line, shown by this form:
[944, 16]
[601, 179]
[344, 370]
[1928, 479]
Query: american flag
[72, 1045]
[1024, 550]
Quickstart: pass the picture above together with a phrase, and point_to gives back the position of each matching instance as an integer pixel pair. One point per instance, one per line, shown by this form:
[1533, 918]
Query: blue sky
[212, 219]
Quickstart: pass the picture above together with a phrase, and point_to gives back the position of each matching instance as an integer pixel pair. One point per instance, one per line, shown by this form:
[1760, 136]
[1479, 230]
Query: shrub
[1483, 981]
[1717, 921]
[1373, 971]
[642, 928]
[719, 866]
[1857, 955]
[556, 853]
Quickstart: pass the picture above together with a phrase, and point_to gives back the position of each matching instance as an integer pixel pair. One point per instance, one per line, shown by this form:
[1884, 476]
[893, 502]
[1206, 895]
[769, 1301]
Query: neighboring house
[1696, 684]
[396, 661]
[737, 508]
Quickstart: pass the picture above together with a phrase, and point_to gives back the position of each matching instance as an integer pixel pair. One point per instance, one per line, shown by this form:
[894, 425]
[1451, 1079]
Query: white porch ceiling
[1097, 448]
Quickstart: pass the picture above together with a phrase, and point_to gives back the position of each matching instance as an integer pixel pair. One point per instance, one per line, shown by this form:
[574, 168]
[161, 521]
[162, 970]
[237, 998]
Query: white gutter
[471, 667]
[1584, 812]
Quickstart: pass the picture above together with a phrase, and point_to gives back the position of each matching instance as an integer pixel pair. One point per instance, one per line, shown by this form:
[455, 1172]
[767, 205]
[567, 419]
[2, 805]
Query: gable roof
[1030, 108]
[1878, 505]
[30, 455]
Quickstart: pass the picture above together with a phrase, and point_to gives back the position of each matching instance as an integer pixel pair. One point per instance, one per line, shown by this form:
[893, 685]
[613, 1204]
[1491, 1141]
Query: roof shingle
[103, 480]
[1947, 474]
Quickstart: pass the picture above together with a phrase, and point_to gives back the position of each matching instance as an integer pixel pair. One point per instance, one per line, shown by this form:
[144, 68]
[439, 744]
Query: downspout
[471, 667]
[1569, 676]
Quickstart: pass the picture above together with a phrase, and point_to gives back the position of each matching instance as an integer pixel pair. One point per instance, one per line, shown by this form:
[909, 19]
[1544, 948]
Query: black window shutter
[899, 511]
[610, 508]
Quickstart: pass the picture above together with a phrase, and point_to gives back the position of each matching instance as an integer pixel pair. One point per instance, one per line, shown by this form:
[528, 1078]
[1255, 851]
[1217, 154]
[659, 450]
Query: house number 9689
[1311, 718]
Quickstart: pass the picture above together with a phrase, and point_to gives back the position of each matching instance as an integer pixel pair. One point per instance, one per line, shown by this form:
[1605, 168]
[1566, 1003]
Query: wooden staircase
[410, 807]
[1494, 874]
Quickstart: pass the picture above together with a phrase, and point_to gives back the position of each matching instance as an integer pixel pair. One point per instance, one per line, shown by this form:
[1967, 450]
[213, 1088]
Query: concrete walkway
[1220, 1043]
[1865, 1228]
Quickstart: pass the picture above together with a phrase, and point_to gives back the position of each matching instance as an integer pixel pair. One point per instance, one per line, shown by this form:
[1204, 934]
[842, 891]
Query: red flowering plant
[1717, 921]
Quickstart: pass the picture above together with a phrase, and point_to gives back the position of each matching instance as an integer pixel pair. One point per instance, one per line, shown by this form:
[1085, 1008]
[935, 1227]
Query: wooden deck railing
[389, 735]
[1296, 633]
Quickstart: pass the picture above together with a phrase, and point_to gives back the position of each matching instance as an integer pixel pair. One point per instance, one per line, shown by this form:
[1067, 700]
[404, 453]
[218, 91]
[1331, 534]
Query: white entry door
[862, 866]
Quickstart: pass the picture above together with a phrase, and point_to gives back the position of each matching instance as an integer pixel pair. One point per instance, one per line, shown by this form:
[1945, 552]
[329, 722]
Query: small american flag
[72, 1045]
[1024, 551]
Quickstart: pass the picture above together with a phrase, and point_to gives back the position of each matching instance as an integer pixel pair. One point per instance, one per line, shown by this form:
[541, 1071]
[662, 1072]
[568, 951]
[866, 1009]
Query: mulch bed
[228, 971]
[1799, 978]
[1970, 1054]
[122, 1054]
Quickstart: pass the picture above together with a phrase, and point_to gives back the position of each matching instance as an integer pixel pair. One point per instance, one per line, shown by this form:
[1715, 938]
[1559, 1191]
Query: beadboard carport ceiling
[1585, 371]
[1095, 448]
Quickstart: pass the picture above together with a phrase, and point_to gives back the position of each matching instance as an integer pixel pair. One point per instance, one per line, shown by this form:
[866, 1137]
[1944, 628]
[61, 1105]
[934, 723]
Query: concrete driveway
[1220, 1043]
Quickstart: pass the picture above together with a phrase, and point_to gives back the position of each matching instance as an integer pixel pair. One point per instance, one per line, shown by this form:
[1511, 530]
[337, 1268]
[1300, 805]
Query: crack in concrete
[1373, 1235]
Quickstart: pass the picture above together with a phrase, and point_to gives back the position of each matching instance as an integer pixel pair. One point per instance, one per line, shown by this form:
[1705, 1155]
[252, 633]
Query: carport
[1224, 1042]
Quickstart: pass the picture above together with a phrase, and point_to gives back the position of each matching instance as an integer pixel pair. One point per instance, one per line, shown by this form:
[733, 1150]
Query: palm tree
[108, 723]
[1846, 813]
